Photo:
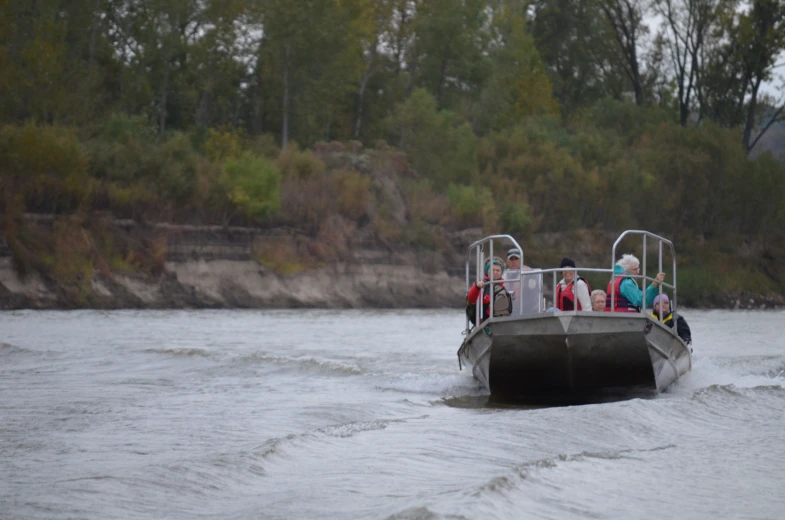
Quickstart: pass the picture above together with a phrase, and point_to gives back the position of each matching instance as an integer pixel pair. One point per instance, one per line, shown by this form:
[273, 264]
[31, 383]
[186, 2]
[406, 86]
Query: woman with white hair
[624, 292]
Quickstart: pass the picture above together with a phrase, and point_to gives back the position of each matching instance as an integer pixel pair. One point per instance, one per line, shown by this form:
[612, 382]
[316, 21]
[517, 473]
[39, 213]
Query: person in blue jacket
[625, 291]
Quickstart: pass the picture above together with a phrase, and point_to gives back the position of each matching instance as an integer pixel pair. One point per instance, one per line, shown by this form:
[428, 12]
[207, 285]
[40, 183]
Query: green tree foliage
[43, 167]
[570, 36]
[512, 115]
[518, 86]
[450, 48]
[252, 185]
[438, 145]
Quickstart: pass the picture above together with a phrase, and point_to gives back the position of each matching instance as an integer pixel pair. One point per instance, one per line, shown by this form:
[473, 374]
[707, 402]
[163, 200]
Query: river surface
[364, 414]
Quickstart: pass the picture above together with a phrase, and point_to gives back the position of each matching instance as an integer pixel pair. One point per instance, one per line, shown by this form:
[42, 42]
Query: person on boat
[522, 284]
[624, 292]
[514, 260]
[502, 300]
[662, 302]
[598, 300]
[568, 290]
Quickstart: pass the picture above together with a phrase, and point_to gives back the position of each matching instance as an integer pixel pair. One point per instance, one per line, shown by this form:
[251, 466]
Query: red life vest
[620, 303]
[565, 299]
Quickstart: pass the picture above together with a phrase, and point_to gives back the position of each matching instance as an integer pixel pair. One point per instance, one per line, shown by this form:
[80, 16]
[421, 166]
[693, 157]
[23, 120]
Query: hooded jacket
[682, 329]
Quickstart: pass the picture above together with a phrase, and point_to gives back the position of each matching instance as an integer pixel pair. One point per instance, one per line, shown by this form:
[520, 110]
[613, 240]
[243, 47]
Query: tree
[450, 50]
[686, 29]
[518, 86]
[751, 41]
[569, 35]
[377, 27]
[437, 144]
[312, 52]
[625, 19]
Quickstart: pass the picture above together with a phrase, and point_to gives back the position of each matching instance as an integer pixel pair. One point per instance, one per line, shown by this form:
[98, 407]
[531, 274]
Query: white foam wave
[442, 385]
[350, 429]
[180, 352]
[8, 349]
[749, 372]
[304, 362]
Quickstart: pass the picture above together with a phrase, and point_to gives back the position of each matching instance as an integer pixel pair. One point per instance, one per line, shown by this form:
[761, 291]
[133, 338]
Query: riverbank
[233, 267]
[237, 267]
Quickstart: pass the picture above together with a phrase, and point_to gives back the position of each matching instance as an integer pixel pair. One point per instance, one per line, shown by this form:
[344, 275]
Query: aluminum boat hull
[574, 355]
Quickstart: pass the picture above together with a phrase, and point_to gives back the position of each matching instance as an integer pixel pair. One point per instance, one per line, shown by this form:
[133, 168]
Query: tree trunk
[93, 31]
[750, 119]
[164, 92]
[285, 129]
[363, 85]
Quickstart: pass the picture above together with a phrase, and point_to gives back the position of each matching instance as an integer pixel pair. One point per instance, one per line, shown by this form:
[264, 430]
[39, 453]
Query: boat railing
[660, 241]
[527, 285]
[477, 251]
[555, 272]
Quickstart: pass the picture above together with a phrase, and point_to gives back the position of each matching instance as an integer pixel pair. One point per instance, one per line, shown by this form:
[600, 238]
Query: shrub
[353, 193]
[424, 204]
[223, 144]
[471, 206]
[515, 217]
[294, 163]
[174, 167]
[121, 128]
[47, 165]
[252, 184]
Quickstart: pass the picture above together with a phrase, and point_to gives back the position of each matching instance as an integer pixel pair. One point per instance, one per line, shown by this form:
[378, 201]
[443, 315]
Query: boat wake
[6, 349]
[753, 372]
[305, 363]
[179, 352]
[432, 384]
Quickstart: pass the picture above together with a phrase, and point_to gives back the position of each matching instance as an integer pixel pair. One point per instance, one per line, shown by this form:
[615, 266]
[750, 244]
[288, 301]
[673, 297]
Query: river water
[364, 414]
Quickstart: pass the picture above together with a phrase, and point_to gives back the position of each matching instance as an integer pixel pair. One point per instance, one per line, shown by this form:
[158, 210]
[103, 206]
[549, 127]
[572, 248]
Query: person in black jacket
[682, 329]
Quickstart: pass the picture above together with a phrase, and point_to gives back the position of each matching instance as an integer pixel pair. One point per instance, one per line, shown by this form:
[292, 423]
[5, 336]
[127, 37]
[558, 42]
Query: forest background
[394, 124]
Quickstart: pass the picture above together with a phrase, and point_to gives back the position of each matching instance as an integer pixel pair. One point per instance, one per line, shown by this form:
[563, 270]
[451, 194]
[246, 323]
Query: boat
[534, 353]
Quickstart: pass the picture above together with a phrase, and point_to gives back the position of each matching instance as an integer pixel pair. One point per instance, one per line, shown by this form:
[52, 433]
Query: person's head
[662, 301]
[598, 298]
[498, 268]
[513, 259]
[568, 274]
[630, 263]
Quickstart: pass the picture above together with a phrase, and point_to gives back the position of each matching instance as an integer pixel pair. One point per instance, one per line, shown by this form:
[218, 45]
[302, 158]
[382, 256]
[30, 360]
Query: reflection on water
[364, 414]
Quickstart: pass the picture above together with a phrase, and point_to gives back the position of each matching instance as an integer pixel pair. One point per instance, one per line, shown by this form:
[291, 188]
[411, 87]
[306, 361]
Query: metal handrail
[660, 241]
[480, 264]
[478, 248]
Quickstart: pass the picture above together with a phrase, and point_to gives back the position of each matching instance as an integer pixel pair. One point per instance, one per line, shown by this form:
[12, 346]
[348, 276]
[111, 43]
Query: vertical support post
[490, 279]
[480, 263]
[659, 270]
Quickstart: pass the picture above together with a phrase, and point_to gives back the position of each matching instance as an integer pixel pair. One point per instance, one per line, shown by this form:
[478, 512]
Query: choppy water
[352, 414]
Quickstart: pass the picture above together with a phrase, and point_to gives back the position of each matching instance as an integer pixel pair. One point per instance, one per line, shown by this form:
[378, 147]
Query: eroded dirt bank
[212, 266]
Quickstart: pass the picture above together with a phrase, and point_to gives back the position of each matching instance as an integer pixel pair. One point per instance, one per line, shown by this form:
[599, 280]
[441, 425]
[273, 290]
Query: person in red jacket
[502, 302]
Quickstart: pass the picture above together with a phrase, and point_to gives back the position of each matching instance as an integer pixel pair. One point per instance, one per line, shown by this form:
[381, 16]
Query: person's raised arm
[653, 289]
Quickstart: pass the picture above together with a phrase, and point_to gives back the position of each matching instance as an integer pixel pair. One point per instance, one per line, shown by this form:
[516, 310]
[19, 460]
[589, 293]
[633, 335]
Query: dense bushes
[627, 167]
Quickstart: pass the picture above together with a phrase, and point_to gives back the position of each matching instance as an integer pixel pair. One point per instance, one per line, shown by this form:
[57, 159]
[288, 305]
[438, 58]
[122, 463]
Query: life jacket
[502, 304]
[666, 320]
[565, 299]
[620, 303]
